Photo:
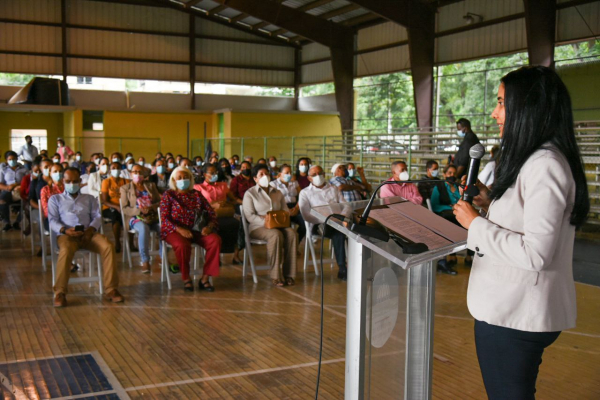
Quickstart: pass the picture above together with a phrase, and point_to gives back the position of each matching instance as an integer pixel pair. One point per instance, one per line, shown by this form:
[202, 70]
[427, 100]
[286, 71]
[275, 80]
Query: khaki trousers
[281, 247]
[99, 244]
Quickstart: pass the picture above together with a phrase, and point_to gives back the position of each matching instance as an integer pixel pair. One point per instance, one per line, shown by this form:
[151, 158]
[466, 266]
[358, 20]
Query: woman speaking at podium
[521, 289]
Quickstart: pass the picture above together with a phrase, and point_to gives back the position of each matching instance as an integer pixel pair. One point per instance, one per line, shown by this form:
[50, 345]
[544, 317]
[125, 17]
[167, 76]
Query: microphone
[476, 153]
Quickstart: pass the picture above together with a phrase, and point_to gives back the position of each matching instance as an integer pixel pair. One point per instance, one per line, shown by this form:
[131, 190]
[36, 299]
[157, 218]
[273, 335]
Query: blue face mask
[461, 134]
[12, 163]
[199, 163]
[350, 173]
[72, 188]
[160, 169]
[435, 173]
[214, 178]
[57, 176]
[287, 178]
[171, 165]
[183, 184]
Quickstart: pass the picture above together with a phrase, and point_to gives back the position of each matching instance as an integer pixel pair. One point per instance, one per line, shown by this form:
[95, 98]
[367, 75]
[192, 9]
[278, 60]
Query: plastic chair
[164, 265]
[248, 250]
[126, 232]
[81, 253]
[429, 205]
[43, 235]
[34, 223]
[309, 242]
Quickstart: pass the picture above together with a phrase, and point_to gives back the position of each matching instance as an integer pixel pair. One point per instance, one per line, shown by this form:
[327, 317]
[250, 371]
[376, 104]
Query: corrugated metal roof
[349, 15]
[334, 5]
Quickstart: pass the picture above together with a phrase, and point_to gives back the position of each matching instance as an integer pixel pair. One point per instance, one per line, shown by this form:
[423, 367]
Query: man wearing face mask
[10, 178]
[66, 211]
[426, 188]
[469, 139]
[29, 181]
[37, 184]
[111, 194]
[405, 190]
[28, 152]
[349, 188]
[321, 193]
[126, 173]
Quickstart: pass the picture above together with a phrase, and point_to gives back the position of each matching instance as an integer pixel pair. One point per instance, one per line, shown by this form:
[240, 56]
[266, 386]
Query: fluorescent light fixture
[98, 126]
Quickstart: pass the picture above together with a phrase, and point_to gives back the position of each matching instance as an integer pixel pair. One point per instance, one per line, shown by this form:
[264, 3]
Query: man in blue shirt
[10, 178]
[66, 212]
[349, 188]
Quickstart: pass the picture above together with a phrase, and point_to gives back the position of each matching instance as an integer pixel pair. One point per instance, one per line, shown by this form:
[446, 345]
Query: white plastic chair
[81, 253]
[34, 223]
[43, 235]
[126, 232]
[429, 205]
[309, 246]
[164, 265]
[248, 250]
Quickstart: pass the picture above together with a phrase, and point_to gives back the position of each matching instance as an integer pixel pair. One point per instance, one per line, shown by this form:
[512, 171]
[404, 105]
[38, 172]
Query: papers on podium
[418, 224]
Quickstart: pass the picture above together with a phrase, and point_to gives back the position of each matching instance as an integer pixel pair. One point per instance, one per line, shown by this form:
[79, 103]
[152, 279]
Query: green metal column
[243, 155]
[409, 155]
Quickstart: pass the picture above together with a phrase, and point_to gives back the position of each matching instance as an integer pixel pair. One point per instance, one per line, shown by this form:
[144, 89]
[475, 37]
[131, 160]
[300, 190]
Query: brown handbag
[277, 219]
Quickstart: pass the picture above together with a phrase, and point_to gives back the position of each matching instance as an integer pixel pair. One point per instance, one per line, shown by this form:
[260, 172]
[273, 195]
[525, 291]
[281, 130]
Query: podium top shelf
[390, 250]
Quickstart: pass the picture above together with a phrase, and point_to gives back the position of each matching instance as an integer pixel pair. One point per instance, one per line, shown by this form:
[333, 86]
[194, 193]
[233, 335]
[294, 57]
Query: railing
[375, 151]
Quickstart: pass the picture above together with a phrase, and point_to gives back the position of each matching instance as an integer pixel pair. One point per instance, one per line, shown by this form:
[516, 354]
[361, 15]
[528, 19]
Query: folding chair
[126, 232]
[79, 253]
[309, 242]
[34, 223]
[248, 250]
[43, 235]
[429, 205]
[164, 265]
[103, 221]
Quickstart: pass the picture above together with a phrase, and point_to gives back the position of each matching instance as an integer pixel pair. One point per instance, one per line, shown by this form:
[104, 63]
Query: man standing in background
[28, 152]
[470, 139]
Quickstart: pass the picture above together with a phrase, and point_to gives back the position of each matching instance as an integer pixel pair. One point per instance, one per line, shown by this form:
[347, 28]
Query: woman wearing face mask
[54, 187]
[179, 207]
[281, 243]
[27, 182]
[273, 169]
[94, 184]
[290, 190]
[56, 158]
[224, 170]
[197, 165]
[238, 187]
[78, 162]
[171, 165]
[140, 201]
[223, 202]
[302, 172]
[111, 194]
[129, 156]
[161, 177]
[63, 151]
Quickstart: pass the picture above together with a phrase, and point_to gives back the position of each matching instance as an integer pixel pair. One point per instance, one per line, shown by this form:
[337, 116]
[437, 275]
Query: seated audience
[54, 187]
[180, 207]
[249, 159]
[224, 171]
[171, 165]
[273, 169]
[321, 193]
[94, 184]
[487, 175]
[301, 174]
[349, 188]
[34, 173]
[281, 242]
[406, 190]
[140, 201]
[357, 174]
[290, 189]
[238, 187]
[262, 161]
[111, 194]
[223, 203]
[425, 188]
[161, 177]
[10, 179]
[69, 210]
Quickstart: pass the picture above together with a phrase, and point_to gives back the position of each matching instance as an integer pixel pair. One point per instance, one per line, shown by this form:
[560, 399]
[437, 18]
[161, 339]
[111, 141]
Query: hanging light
[471, 18]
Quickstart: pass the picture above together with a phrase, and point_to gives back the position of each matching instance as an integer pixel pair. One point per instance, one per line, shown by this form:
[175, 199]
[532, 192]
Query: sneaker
[114, 296]
[60, 300]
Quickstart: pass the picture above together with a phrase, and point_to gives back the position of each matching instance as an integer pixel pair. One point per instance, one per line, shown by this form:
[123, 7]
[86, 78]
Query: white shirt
[28, 153]
[487, 175]
[289, 190]
[312, 196]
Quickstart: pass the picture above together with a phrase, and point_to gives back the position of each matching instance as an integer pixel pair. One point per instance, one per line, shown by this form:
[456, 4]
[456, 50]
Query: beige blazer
[257, 203]
[522, 275]
[129, 198]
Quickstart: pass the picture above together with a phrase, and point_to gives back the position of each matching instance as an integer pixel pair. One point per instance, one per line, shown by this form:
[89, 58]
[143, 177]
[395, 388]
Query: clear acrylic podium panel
[390, 305]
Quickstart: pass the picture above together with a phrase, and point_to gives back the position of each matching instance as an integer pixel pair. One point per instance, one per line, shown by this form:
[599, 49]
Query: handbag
[277, 219]
[200, 221]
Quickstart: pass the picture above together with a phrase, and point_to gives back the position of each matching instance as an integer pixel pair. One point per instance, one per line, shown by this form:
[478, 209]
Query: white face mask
[115, 173]
[460, 133]
[404, 176]
[318, 180]
[78, 158]
[303, 168]
[103, 169]
[56, 160]
[264, 181]
[128, 158]
[435, 173]
[129, 167]
[141, 163]
[350, 173]
[97, 161]
[273, 164]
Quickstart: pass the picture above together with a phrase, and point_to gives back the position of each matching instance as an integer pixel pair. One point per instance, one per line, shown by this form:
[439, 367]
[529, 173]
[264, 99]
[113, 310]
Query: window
[39, 136]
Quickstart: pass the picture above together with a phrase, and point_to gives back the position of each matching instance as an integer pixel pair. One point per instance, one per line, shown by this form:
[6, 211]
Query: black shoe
[202, 286]
[469, 262]
[16, 226]
[444, 268]
[343, 275]
[7, 227]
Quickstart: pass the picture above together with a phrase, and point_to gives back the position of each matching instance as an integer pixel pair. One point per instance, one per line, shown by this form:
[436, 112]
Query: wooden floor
[248, 341]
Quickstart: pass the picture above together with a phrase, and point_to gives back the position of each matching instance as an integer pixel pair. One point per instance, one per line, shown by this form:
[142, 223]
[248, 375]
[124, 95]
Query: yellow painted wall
[72, 128]
[281, 126]
[52, 122]
[171, 129]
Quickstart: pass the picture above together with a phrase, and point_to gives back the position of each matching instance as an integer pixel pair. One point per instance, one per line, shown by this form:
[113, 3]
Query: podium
[389, 312]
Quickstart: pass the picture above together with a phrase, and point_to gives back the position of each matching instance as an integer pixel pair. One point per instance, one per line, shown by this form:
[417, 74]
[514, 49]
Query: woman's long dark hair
[297, 173]
[538, 113]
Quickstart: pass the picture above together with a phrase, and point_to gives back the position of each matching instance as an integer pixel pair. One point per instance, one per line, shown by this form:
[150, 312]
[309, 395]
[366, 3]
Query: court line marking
[112, 379]
[165, 308]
